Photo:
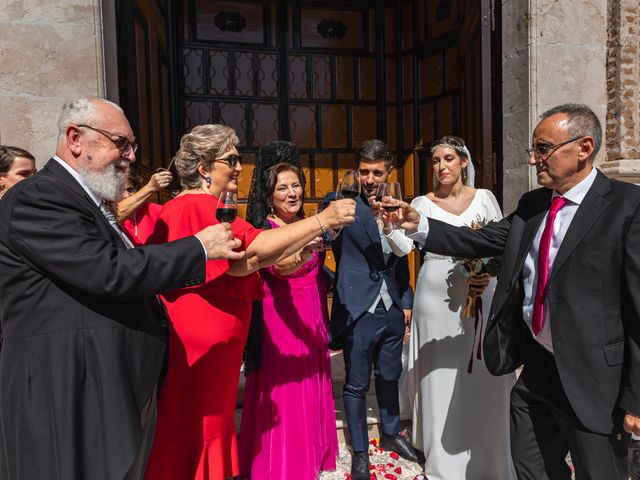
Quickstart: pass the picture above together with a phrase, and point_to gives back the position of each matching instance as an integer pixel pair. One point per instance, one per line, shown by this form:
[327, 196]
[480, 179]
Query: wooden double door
[326, 75]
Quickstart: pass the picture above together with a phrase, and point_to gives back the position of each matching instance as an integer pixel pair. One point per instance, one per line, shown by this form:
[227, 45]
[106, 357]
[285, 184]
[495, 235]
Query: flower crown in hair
[463, 150]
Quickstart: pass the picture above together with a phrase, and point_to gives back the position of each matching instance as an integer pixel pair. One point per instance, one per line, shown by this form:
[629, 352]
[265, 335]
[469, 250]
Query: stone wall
[50, 52]
[623, 88]
[553, 52]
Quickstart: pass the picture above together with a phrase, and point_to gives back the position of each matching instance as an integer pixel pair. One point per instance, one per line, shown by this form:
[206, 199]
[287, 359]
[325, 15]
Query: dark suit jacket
[592, 293]
[360, 269]
[84, 335]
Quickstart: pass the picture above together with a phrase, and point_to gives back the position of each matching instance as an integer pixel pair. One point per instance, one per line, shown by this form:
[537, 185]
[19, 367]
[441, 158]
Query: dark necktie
[543, 264]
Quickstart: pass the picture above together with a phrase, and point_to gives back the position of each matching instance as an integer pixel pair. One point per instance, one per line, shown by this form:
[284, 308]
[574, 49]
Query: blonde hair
[202, 145]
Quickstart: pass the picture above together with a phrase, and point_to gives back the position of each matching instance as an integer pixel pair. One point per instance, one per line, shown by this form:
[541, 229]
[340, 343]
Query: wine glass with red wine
[350, 186]
[391, 197]
[227, 209]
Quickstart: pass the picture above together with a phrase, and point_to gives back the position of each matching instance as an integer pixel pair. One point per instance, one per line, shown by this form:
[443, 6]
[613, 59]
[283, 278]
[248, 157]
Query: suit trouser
[544, 428]
[148, 426]
[376, 339]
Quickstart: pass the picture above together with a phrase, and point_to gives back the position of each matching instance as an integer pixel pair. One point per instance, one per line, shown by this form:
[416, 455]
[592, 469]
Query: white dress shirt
[564, 217]
[575, 196]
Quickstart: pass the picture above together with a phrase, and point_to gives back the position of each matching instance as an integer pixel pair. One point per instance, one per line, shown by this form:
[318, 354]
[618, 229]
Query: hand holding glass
[391, 197]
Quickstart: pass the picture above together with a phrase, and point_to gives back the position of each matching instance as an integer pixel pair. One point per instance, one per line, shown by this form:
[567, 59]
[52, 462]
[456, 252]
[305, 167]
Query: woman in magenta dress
[195, 434]
[288, 427]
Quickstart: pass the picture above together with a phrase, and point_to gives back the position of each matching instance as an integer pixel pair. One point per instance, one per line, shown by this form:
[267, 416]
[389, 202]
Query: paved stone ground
[384, 465]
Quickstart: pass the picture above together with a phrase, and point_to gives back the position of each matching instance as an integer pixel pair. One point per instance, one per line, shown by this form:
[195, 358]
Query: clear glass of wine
[390, 196]
[350, 185]
[227, 208]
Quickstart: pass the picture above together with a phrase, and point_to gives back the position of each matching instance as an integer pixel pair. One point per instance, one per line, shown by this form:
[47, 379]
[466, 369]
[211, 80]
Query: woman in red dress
[195, 433]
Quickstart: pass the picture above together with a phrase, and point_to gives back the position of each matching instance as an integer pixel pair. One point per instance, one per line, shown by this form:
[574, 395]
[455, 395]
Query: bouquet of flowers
[477, 267]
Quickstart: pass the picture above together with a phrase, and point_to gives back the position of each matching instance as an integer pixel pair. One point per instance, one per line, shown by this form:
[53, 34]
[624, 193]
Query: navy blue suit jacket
[360, 269]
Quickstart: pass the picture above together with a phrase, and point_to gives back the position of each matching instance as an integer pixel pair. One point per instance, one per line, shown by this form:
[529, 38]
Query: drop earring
[207, 180]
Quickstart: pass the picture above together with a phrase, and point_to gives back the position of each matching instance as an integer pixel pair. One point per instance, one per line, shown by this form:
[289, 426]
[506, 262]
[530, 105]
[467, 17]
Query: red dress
[140, 225]
[196, 434]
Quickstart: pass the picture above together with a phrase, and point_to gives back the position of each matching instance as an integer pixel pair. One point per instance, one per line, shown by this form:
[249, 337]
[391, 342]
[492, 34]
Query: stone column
[623, 91]
[50, 52]
[553, 53]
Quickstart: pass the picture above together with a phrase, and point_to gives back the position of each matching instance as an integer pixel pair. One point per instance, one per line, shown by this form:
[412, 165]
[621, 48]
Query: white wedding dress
[460, 419]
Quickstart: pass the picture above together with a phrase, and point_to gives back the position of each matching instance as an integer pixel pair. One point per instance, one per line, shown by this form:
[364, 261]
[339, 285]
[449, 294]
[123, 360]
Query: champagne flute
[350, 185]
[391, 196]
[227, 208]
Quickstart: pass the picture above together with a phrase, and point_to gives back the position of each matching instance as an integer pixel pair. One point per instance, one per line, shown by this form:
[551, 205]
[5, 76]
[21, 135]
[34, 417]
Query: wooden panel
[219, 21]
[431, 75]
[367, 79]
[441, 17]
[390, 30]
[445, 117]
[323, 174]
[407, 80]
[218, 73]
[392, 126]
[268, 75]
[197, 113]
[453, 68]
[303, 125]
[344, 77]
[321, 77]
[408, 126]
[298, 76]
[266, 124]
[364, 124]
[192, 71]
[243, 74]
[305, 163]
[390, 77]
[234, 115]
[324, 28]
[407, 21]
[334, 126]
[427, 123]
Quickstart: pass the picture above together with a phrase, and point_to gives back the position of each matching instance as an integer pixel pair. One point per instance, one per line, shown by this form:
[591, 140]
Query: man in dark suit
[84, 335]
[566, 304]
[370, 311]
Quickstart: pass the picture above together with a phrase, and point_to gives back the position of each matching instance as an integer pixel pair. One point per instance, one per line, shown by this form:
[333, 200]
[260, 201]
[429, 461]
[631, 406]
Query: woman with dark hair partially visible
[196, 434]
[288, 427]
[16, 164]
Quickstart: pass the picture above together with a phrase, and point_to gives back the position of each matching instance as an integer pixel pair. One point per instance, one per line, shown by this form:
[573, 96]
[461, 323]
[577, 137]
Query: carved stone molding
[230, 21]
[623, 91]
[333, 29]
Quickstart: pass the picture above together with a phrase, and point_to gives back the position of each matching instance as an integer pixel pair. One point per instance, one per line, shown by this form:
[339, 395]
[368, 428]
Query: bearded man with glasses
[566, 305]
[84, 334]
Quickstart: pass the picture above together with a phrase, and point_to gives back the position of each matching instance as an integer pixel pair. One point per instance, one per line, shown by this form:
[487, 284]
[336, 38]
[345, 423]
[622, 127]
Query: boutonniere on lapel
[480, 270]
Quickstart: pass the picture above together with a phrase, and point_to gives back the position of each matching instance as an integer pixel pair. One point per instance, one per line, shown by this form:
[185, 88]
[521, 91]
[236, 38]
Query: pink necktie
[543, 264]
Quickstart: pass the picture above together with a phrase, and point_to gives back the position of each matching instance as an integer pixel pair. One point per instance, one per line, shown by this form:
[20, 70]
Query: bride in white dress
[460, 419]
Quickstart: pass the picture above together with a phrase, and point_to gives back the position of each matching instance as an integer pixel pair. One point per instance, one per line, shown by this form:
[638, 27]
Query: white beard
[108, 184]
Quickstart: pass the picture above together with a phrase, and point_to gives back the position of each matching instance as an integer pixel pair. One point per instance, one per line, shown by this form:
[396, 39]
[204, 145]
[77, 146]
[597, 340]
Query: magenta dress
[288, 427]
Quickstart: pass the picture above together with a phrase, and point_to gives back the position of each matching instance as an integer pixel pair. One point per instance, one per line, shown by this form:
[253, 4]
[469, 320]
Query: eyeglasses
[231, 160]
[542, 151]
[121, 142]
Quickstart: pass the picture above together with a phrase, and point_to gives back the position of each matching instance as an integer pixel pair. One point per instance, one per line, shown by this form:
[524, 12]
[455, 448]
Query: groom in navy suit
[371, 309]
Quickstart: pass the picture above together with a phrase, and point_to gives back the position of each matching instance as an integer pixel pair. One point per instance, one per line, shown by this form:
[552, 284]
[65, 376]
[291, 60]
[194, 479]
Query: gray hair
[81, 111]
[202, 145]
[374, 150]
[581, 121]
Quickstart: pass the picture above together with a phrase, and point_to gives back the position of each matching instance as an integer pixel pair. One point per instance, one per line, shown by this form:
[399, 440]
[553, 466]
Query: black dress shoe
[360, 466]
[398, 444]
[634, 460]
